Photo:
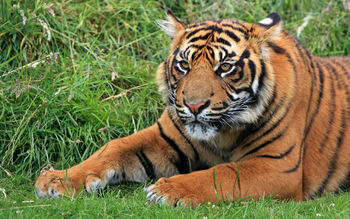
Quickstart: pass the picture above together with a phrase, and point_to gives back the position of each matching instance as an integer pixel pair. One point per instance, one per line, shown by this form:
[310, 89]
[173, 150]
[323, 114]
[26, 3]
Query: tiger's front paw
[176, 192]
[56, 183]
[50, 183]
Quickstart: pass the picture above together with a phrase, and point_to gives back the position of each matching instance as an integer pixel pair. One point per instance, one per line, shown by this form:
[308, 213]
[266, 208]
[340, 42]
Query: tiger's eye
[185, 65]
[225, 67]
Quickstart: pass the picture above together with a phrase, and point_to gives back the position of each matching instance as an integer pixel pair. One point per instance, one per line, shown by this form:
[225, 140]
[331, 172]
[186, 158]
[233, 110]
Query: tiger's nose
[196, 108]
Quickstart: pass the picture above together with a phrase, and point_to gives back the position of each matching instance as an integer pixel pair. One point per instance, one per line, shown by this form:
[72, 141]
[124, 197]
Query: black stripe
[252, 70]
[275, 125]
[230, 55]
[212, 28]
[217, 29]
[279, 50]
[211, 52]
[318, 103]
[179, 111]
[263, 73]
[165, 69]
[185, 137]
[147, 164]
[226, 52]
[173, 63]
[264, 144]
[181, 54]
[182, 163]
[202, 37]
[344, 68]
[176, 51]
[168, 70]
[280, 156]
[235, 28]
[345, 184]
[245, 54]
[276, 48]
[331, 116]
[190, 34]
[237, 23]
[240, 73]
[193, 56]
[232, 35]
[221, 56]
[186, 51]
[178, 105]
[297, 164]
[336, 78]
[230, 86]
[223, 41]
[236, 176]
[198, 47]
[197, 25]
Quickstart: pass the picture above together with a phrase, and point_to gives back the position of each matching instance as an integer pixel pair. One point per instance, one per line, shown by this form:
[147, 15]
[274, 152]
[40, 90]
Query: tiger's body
[248, 106]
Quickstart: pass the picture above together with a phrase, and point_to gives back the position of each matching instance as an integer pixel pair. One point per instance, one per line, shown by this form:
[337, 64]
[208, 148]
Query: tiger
[250, 113]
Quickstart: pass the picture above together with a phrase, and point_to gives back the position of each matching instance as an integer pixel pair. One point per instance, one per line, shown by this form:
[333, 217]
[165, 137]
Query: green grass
[128, 200]
[99, 85]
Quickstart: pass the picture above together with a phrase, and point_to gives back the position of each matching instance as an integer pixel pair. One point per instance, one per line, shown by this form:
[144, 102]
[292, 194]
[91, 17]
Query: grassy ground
[128, 200]
[76, 74]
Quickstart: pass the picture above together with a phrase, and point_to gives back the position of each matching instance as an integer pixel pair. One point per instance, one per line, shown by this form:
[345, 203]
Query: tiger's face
[217, 76]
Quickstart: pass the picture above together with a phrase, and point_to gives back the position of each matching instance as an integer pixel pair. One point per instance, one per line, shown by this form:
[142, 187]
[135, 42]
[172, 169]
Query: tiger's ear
[267, 29]
[172, 26]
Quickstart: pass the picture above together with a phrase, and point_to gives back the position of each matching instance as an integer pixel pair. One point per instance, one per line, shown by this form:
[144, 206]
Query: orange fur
[276, 122]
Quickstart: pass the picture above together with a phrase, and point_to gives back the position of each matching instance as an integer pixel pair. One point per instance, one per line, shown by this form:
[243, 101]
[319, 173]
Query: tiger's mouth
[202, 126]
[201, 131]
[207, 125]
[212, 123]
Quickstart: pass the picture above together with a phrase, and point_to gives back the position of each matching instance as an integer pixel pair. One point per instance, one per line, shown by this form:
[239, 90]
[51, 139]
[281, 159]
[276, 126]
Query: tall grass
[76, 74]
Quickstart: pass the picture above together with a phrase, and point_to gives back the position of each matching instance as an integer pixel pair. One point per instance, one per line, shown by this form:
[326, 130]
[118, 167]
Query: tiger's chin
[201, 132]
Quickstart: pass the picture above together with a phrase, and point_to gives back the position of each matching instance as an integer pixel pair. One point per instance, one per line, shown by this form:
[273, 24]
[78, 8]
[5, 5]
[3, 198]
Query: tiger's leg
[147, 154]
[250, 179]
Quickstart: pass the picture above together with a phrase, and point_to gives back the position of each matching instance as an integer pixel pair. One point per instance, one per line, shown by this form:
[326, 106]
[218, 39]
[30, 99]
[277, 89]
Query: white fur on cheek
[240, 95]
[265, 52]
[255, 86]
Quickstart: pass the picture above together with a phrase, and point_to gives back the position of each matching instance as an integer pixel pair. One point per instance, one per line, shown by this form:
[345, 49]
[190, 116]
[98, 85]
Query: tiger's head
[218, 75]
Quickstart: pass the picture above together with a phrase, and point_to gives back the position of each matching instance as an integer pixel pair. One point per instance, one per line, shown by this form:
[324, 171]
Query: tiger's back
[327, 143]
[316, 94]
